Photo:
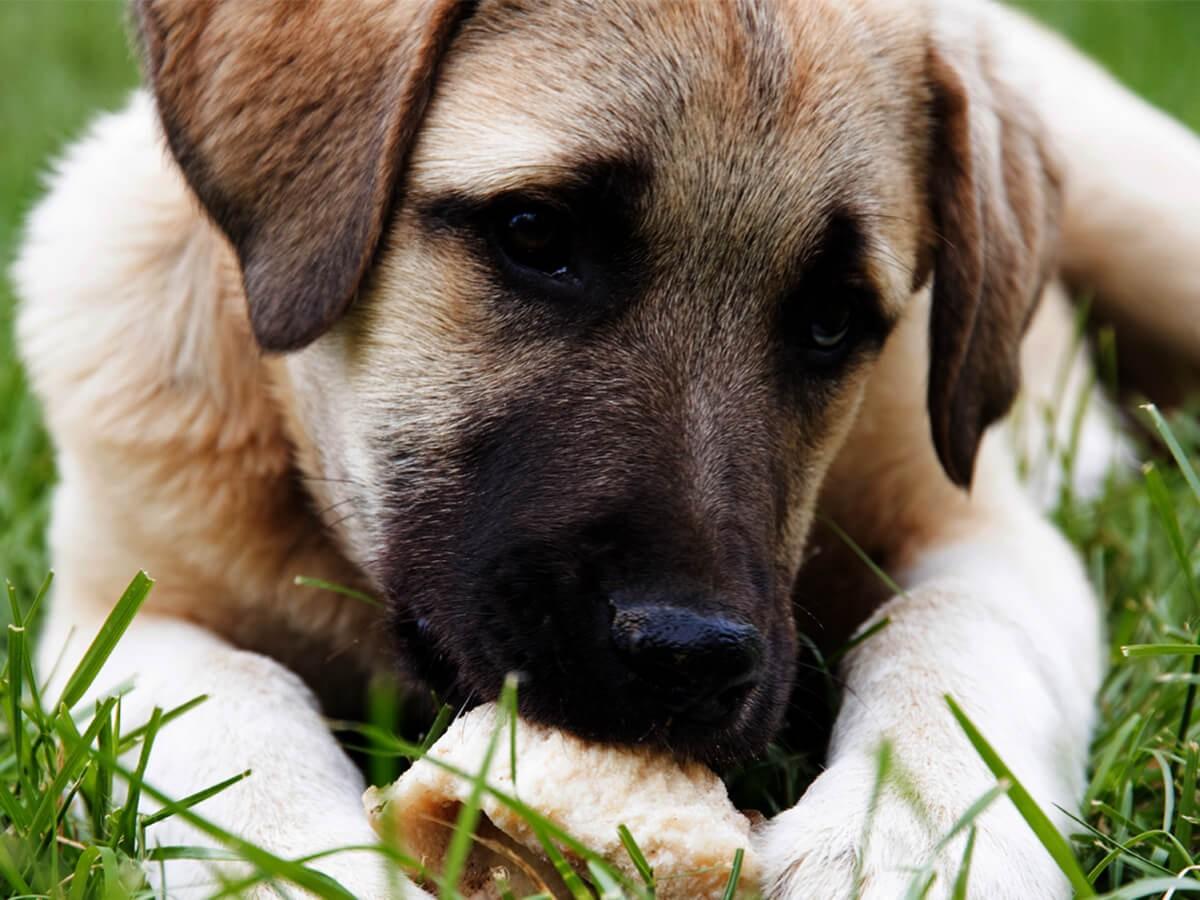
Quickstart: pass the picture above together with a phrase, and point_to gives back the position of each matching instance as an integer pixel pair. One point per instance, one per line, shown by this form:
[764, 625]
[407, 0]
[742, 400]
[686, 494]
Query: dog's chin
[719, 746]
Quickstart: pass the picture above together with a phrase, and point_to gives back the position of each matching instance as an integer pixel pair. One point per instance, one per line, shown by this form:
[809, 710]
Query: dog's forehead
[796, 100]
[541, 83]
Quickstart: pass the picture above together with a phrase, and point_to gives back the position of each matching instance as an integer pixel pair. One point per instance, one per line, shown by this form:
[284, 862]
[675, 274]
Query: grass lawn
[62, 60]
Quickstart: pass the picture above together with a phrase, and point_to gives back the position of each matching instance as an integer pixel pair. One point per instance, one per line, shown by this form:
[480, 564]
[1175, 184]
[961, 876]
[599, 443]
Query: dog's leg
[1001, 618]
[303, 795]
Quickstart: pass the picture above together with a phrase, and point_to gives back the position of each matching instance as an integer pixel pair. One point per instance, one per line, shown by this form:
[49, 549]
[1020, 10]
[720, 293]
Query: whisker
[907, 221]
[321, 514]
[316, 479]
[890, 259]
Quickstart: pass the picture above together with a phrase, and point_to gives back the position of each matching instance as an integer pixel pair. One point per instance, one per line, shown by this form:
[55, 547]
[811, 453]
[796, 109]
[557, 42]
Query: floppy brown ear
[994, 207]
[292, 122]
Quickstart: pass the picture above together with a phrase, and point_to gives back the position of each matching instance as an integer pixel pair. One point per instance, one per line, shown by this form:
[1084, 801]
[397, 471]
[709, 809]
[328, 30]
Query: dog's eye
[830, 326]
[536, 237]
[828, 330]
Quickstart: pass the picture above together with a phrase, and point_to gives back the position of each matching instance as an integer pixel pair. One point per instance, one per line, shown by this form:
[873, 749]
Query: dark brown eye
[537, 237]
[828, 329]
[830, 326]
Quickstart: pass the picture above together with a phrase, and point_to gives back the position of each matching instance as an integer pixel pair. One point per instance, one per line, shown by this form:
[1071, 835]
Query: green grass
[1138, 829]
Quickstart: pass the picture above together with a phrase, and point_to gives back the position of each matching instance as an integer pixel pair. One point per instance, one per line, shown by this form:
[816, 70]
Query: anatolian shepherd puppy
[563, 326]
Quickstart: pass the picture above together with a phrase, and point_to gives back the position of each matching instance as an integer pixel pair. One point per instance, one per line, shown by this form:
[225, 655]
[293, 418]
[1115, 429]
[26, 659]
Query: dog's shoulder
[167, 420]
[131, 323]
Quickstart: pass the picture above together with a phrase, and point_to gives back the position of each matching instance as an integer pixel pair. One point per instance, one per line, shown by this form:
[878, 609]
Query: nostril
[704, 665]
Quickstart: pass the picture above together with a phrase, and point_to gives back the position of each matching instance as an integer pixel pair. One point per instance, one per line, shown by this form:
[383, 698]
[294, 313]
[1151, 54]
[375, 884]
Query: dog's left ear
[994, 196]
[292, 122]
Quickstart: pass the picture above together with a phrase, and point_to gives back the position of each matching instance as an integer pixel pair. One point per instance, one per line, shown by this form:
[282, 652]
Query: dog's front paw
[338, 844]
[835, 844]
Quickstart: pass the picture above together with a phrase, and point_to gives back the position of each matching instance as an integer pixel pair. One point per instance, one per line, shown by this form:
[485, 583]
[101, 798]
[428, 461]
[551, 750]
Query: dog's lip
[721, 745]
[463, 682]
[420, 653]
[734, 741]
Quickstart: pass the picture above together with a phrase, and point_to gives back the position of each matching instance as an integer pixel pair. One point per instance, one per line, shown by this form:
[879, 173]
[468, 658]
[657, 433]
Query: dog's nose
[701, 666]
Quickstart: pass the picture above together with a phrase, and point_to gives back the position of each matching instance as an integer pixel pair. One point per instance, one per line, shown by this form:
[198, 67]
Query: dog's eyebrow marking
[537, 179]
[597, 182]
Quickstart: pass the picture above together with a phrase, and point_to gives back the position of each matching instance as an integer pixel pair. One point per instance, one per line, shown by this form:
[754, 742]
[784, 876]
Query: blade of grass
[864, 556]
[240, 888]
[917, 888]
[383, 710]
[275, 866]
[610, 889]
[445, 715]
[973, 812]
[102, 645]
[508, 703]
[69, 770]
[11, 807]
[193, 799]
[32, 611]
[735, 875]
[568, 874]
[1177, 453]
[1168, 789]
[1152, 886]
[127, 832]
[14, 607]
[1140, 651]
[110, 865]
[101, 804]
[521, 809]
[964, 869]
[639, 859]
[175, 851]
[1187, 797]
[81, 879]
[1103, 764]
[10, 872]
[33, 709]
[1055, 844]
[320, 584]
[468, 817]
[15, 669]
[1160, 497]
[129, 739]
[883, 769]
[1161, 500]
[862, 637]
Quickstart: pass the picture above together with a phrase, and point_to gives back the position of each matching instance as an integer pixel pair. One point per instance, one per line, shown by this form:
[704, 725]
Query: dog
[579, 334]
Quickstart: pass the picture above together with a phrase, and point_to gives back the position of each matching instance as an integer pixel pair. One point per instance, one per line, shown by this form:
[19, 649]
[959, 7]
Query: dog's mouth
[580, 689]
[421, 657]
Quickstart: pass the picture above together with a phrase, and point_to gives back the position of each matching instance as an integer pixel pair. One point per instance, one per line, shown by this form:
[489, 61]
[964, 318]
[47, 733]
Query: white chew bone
[679, 813]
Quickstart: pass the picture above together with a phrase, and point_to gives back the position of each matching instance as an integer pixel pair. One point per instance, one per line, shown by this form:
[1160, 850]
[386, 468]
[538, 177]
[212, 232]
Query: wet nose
[700, 666]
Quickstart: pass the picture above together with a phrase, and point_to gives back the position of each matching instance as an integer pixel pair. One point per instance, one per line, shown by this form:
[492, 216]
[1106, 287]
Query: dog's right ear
[994, 198]
[292, 123]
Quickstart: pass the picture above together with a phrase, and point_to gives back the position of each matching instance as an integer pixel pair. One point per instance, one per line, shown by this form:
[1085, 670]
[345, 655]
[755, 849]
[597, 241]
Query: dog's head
[580, 300]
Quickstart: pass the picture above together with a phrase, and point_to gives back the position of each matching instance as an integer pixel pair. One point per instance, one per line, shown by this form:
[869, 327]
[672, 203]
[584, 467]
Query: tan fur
[177, 444]
[306, 147]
